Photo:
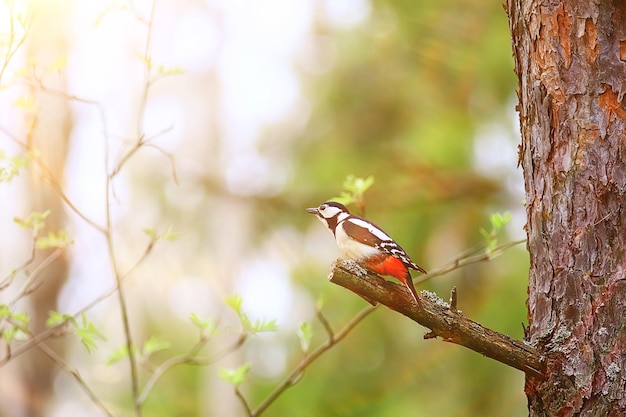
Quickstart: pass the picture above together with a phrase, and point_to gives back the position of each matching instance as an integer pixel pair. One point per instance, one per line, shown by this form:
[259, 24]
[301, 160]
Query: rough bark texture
[569, 57]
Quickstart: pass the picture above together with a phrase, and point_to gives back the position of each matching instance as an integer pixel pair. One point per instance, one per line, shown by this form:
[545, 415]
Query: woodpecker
[361, 240]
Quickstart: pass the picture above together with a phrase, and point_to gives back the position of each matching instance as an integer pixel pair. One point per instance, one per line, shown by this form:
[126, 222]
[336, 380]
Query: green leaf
[305, 334]
[319, 304]
[153, 345]
[5, 311]
[169, 235]
[119, 354]
[354, 189]
[151, 232]
[58, 64]
[56, 318]
[14, 325]
[27, 102]
[235, 376]
[358, 185]
[60, 239]
[88, 333]
[166, 72]
[208, 326]
[35, 221]
[260, 326]
[235, 302]
[498, 221]
[146, 60]
[10, 166]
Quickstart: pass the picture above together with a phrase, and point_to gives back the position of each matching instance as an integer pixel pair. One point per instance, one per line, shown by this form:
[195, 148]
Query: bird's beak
[312, 210]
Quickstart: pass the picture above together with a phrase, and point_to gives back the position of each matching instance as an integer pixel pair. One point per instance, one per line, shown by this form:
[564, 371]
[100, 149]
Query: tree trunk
[50, 139]
[569, 57]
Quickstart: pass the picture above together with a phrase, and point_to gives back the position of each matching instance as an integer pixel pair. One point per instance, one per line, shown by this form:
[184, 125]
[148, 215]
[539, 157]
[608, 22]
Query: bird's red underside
[387, 265]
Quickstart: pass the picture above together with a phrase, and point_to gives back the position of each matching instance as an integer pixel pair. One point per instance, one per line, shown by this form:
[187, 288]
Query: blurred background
[247, 112]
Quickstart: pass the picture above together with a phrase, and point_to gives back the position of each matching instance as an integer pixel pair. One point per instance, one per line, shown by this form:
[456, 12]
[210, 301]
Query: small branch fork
[443, 319]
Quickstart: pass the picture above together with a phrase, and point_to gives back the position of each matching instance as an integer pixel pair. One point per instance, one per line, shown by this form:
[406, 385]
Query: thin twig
[12, 46]
[27, 287]
[168, 364]
[48, 176]
[325, 323]
[223, 353]
[465, 260]
[189, 358]
[243, 401]
[8, 280]
[109, 237]
[74, 373]
[40, 337]
[297, 371]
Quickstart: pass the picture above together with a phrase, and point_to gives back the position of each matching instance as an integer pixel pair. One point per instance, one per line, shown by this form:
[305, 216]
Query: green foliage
[153, 345]
[84, 329]
[498, 221]
[235, 376]
[88, 333]
[206, 326]
[55, 318]
[60, 239]
[159, 70]
[34, 222]
[354, 189]
[10, 166]
[235, 302]
[26, 102]
[119, 354]
[319, 303]
[58, 64]
[168, 235]
[13, 325]
[305, 334]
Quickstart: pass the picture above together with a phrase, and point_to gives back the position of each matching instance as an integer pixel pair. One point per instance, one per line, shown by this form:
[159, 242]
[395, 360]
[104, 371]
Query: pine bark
[570, 57]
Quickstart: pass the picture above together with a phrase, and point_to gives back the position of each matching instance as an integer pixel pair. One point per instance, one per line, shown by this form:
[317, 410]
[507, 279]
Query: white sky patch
[192, 294]
[193, 43]
[494, 150]
[246, 174]
[266, 291]
[346, 13]
[495, 156]
[165, 115]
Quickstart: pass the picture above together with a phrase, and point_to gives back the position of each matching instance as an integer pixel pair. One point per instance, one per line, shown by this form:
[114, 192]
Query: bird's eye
[323, 207]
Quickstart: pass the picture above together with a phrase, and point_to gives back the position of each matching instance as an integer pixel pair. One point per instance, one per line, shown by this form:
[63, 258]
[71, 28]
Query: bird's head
[330, 213]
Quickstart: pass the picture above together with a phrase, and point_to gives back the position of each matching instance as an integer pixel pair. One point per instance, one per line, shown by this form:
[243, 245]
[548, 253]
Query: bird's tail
[408, 281]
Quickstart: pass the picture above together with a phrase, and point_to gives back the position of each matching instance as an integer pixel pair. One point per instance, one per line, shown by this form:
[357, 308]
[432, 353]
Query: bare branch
[77, 377]
[239, 395]
[326, 324]
[299, 369]
[189, 358]
[443, 322]
[469, 257]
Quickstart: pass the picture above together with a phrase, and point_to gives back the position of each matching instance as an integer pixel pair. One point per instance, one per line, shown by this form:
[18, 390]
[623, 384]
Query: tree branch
[443, 322]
